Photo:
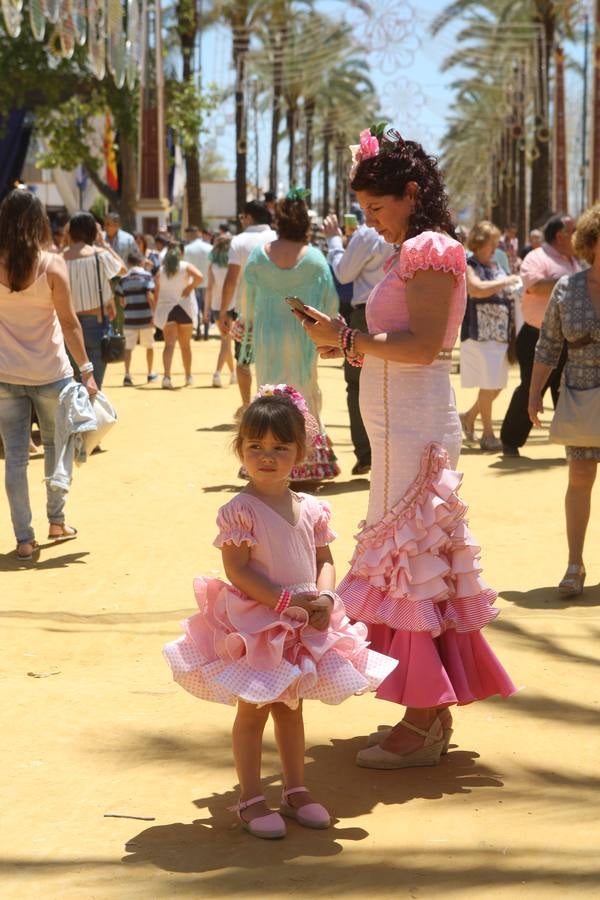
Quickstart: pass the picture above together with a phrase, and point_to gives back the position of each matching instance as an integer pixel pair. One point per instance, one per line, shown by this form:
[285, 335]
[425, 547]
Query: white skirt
[483, 364]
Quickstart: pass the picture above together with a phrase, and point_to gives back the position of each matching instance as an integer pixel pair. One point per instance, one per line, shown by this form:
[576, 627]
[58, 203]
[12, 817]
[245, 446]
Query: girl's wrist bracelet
[86, 367]
[329, 594]
[285, 598]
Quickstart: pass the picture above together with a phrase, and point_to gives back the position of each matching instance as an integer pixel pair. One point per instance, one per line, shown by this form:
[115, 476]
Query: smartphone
[297, 305]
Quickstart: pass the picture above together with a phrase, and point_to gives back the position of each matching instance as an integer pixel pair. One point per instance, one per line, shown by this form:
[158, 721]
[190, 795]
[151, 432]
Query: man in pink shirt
[540, 270]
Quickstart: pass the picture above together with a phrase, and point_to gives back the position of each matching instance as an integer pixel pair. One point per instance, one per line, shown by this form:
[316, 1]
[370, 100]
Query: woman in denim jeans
[36, 320]
[91, 264]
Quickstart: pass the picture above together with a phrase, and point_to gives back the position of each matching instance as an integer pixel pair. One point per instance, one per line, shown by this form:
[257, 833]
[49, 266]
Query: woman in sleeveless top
[91, 263]
[36, 320]
[415, 575]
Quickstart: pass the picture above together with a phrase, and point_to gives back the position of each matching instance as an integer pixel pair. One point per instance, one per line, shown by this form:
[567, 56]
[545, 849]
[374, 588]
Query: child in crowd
[136, 290]
[278, 632]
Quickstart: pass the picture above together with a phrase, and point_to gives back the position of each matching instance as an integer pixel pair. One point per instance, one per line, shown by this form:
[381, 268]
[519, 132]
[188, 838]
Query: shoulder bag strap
[99, 284]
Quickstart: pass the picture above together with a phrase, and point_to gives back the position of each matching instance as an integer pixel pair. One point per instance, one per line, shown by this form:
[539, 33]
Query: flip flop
[65, 536]
[34, 547]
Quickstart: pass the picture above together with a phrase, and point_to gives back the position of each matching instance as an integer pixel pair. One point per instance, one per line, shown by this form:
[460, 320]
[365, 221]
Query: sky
[405, 68]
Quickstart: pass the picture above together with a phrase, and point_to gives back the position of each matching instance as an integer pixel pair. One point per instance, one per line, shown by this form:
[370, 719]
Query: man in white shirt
[256, 222]
[361, 263]
[197, 252]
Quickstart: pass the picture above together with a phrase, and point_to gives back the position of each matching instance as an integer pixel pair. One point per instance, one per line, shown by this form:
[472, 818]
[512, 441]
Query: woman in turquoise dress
[283, 353]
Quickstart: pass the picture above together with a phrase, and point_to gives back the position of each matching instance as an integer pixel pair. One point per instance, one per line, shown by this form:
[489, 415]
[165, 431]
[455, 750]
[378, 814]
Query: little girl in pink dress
[278, 633]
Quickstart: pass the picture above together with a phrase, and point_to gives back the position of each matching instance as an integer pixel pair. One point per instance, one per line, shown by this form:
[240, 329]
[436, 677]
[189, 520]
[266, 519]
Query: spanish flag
[110, 157]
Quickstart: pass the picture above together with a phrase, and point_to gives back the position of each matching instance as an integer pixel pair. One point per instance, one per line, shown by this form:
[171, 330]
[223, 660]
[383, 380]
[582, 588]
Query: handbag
[112, 343]
[576, 421]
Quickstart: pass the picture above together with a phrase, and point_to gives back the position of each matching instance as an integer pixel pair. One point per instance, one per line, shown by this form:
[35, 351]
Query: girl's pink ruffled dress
[415, 576]
[236, 648]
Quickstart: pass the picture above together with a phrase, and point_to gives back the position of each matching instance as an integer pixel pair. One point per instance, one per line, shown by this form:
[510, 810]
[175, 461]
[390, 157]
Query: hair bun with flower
[297, 193]
[372, 141]
[290, 393]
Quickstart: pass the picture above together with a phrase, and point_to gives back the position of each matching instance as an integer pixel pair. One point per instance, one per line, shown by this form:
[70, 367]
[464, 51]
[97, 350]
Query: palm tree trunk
[241, 43]
[292, 123]
[326, 147]
[309, 118]
[277, 38]
[187, 23]
[541, 202]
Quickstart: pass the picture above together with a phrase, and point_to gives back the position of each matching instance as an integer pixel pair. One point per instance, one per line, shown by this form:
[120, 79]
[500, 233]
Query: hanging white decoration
[96, 40]
[37, 19]
[116, 41]
[133, 51]
[13, 16]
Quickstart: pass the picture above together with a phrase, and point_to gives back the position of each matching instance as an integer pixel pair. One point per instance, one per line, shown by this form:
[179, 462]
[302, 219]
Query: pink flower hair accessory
[287, 390]
[370, 143]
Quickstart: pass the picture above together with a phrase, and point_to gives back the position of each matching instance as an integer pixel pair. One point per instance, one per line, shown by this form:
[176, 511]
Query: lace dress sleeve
[551, 339]
[431, 250]
[236, 525]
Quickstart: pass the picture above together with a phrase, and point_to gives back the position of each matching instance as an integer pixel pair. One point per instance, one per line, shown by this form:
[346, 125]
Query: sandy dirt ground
[116, 783]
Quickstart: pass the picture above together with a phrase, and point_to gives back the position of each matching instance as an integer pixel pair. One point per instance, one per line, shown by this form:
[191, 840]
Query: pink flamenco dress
[238, 649]
[415, 576]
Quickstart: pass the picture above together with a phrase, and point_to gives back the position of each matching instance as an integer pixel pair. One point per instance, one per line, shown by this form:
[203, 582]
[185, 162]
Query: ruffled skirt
[237, 649]
[415, 580]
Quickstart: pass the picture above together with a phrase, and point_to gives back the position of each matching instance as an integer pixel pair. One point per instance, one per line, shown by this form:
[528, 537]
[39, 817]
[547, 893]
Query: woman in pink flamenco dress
[278, 633]
[415, 574]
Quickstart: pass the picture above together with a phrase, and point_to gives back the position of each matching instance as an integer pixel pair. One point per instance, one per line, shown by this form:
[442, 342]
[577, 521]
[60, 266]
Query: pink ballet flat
[311, 815]
[268, 827]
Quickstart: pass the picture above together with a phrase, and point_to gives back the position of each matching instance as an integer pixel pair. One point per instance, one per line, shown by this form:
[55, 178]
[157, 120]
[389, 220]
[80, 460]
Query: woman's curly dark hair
[397, 163]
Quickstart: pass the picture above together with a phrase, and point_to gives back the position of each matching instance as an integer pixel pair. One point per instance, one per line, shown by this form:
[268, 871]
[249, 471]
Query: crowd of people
[277, 632]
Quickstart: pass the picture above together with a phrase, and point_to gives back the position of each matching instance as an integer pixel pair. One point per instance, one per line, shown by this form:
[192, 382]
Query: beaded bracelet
[285, 598]
[343, 335]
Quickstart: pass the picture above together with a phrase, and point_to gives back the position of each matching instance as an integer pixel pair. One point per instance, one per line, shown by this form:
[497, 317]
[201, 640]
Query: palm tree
[188, 23]
[504, 32]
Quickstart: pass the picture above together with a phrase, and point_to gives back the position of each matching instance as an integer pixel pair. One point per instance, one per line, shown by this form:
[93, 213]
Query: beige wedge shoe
[427, 755]
[376, 737]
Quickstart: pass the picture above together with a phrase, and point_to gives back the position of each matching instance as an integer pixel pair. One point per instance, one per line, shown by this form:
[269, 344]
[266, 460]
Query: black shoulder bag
[112, 344]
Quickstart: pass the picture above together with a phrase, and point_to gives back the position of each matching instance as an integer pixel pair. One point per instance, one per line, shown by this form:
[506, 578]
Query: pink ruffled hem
[453, 668]
[420, 554]
[235, 648]
[321, 465]
[415, 580]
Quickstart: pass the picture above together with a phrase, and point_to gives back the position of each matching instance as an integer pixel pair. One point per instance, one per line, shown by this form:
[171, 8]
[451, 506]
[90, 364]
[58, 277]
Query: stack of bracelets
[285, 598]
[346, 341]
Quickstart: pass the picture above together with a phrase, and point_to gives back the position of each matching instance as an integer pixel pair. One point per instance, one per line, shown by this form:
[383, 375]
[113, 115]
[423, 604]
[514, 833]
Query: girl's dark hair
[276, 414]
[172, 260]
[24, 232]
[83, 227]
[292, 221]
[389, 172]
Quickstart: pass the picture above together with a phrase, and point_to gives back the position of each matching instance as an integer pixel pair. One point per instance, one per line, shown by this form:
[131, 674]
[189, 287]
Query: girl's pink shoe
[268, 827]
[311, 815]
